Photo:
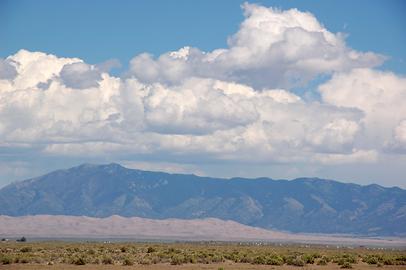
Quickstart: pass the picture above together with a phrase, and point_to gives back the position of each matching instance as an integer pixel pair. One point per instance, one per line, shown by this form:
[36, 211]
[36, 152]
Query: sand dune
[174, 229]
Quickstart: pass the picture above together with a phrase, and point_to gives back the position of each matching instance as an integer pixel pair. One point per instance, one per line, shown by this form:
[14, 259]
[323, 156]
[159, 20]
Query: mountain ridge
[309, 205]
[117, 165]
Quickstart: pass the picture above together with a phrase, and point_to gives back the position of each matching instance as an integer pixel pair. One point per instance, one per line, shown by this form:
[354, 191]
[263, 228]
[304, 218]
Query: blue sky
[282, 89]
[105, 30]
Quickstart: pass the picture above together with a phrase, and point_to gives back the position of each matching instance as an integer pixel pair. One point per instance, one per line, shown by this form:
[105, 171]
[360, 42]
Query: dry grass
[225, 266]
[64, 255]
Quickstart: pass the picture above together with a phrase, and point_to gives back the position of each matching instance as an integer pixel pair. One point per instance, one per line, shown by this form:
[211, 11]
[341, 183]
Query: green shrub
[79, 261]
[259, 260]
[26, 249]
[351, 258]
[298, 262]
[216, 258]
[177, 260]
[151, 250]
[295, 260]
[345, 258]
[370, 259]
[38, 260]
[128, 262]
[346, 265]
[6, 260]
[145, 261]
[388, 261]
[323, 261]
[107, 260]
[308, 258]
[274, 260]
[189, 258]
[400, 260]
[245, 259]
[156, 259]
[24, 260]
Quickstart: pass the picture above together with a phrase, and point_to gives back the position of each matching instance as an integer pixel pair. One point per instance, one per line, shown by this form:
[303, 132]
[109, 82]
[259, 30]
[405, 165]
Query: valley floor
[195, 255]
[225, 266]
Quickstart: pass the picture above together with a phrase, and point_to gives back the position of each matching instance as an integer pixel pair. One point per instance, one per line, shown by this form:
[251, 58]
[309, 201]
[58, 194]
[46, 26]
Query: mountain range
[305, 205]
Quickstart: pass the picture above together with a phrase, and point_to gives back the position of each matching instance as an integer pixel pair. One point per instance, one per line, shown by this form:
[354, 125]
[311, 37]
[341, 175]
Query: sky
[282, 89]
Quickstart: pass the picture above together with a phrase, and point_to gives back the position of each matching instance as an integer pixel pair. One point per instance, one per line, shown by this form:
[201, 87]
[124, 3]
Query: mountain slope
[300, 205]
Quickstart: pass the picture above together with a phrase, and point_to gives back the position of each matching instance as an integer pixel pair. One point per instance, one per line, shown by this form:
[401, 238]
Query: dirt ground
[225, 266]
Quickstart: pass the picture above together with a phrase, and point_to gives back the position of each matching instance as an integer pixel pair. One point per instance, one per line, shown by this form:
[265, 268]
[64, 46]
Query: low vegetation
[127, 254]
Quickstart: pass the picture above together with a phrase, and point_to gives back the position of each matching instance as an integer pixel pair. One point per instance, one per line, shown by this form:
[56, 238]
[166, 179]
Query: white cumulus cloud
[381, 96]
[232, 105]
[272, 48]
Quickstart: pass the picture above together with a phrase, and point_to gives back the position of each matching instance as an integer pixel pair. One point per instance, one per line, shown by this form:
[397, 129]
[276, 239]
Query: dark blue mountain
[302, 205]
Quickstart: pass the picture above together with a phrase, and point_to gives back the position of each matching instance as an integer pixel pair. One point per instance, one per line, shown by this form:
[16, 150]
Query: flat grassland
[205, 255]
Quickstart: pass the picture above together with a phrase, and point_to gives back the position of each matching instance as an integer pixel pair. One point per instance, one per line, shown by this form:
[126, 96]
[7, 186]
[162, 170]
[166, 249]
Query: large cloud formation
[232, 105]
[272, 49]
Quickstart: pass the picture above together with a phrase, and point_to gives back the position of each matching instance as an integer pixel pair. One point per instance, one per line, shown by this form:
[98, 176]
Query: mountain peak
[85, 166]
[113, 165]
[109, 166]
